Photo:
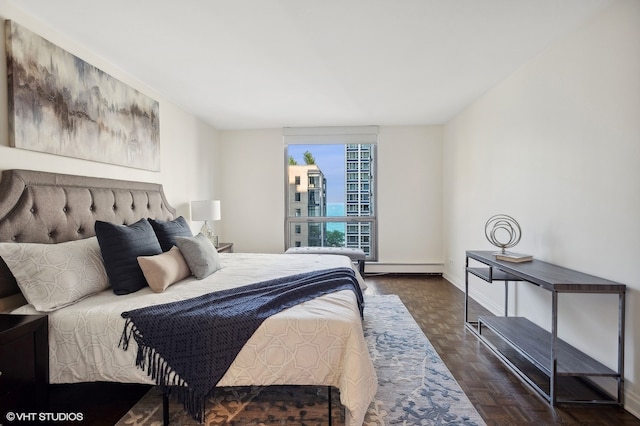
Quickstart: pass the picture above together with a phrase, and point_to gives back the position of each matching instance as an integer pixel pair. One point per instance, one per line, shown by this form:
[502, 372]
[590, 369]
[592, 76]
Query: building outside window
[336, 206]
[307, 198]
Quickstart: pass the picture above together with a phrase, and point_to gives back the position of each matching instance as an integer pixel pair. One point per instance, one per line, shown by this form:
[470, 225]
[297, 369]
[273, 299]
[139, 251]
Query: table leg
[554, 344]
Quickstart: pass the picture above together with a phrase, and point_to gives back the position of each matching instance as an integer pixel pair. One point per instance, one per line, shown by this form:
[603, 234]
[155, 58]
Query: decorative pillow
[166, 231]
[200, 254]
[52, 276]
[120, 246]
[164, 269]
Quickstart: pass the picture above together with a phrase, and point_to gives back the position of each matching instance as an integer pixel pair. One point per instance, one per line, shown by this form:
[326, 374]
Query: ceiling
[243, 64]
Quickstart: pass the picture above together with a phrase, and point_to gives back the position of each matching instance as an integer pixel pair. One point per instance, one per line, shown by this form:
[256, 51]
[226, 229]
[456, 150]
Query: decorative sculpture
[497, 226]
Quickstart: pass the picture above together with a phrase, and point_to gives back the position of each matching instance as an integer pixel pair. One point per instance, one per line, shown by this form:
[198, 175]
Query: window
[330, 180]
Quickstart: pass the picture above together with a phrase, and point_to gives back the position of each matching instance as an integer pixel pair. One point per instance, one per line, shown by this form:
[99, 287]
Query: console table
[550, 355]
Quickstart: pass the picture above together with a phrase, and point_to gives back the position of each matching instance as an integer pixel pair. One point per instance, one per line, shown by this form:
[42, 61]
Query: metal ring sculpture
[502, 222]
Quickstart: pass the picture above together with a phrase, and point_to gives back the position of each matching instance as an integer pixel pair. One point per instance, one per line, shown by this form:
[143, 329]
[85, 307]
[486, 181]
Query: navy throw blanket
[197, 339]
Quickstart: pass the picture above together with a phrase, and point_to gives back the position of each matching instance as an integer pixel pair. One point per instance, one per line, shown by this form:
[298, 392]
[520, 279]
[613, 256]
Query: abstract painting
[62, 105]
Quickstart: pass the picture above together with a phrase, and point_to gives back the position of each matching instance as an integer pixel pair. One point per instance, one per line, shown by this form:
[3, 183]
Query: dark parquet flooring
[500, 397]
[437, 306]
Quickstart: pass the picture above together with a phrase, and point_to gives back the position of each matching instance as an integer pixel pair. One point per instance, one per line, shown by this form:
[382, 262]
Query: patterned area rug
[414, 386]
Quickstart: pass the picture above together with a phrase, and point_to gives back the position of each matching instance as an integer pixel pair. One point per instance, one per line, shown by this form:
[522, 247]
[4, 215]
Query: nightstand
[24, 362]
[225, 248]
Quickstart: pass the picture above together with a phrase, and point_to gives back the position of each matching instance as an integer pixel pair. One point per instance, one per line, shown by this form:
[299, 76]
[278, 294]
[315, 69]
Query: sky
[330, 160]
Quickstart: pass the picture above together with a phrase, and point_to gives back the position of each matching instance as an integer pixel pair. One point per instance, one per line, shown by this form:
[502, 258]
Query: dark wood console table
[551, 356]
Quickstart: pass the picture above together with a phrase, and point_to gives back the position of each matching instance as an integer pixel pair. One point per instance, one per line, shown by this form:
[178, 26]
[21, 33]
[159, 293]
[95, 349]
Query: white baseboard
[478, 296]
[632, 403]
[403, 268]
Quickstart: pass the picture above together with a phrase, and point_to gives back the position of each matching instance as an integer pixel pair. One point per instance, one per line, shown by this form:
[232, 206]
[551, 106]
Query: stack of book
[514, 257]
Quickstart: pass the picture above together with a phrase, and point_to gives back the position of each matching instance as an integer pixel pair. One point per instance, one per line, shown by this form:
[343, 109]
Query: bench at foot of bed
[356, 255]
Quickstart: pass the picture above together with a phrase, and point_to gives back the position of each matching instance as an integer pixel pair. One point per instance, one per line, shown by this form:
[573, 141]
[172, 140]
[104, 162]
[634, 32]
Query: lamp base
[207, 231]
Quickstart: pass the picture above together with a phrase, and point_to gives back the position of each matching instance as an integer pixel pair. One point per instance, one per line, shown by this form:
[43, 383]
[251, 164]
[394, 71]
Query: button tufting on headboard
[42, 207]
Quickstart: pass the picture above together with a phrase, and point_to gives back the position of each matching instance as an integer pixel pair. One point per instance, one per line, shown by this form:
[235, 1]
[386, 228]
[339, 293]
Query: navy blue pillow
[166, 231]
[120, 246]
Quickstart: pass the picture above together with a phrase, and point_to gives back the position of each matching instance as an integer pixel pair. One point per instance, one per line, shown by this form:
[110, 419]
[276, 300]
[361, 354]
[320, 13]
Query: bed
[317, 342]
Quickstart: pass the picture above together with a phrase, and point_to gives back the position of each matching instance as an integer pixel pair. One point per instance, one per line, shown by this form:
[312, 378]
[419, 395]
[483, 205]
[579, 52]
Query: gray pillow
[200, 254]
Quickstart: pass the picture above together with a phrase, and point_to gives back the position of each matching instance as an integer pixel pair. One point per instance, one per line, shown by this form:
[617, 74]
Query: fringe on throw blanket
[148, 360]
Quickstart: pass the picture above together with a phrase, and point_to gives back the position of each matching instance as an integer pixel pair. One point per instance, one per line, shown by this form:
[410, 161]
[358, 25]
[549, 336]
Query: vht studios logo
[43, 417]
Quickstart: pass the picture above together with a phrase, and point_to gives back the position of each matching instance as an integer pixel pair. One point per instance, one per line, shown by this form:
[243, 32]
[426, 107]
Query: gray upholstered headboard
[41, 207]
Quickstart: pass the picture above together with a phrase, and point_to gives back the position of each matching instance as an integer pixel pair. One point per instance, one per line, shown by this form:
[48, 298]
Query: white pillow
[52, 276]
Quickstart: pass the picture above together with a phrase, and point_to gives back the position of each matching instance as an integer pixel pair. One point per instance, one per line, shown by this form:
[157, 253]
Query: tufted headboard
[42, 207]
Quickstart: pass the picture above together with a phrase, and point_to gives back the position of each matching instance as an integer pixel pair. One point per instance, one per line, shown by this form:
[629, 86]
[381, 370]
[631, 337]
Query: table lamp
[207, 211]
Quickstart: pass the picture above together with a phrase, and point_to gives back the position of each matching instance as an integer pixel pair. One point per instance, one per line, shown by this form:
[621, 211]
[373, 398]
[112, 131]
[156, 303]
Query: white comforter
[319, 342]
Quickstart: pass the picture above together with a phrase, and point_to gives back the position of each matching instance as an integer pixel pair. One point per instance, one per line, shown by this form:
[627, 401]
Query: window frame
[334, 136]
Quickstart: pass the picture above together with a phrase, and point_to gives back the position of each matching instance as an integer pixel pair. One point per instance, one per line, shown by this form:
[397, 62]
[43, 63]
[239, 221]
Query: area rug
[414, 386]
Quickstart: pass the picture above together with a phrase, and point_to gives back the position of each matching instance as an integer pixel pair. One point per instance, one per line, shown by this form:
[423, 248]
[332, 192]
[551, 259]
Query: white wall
[188, 146]
[409, 192]
[409, 202]
[557, 146]
[252, 201]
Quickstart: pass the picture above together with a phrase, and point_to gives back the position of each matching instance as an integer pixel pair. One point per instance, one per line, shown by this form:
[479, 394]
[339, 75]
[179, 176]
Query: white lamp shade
[205, 210]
